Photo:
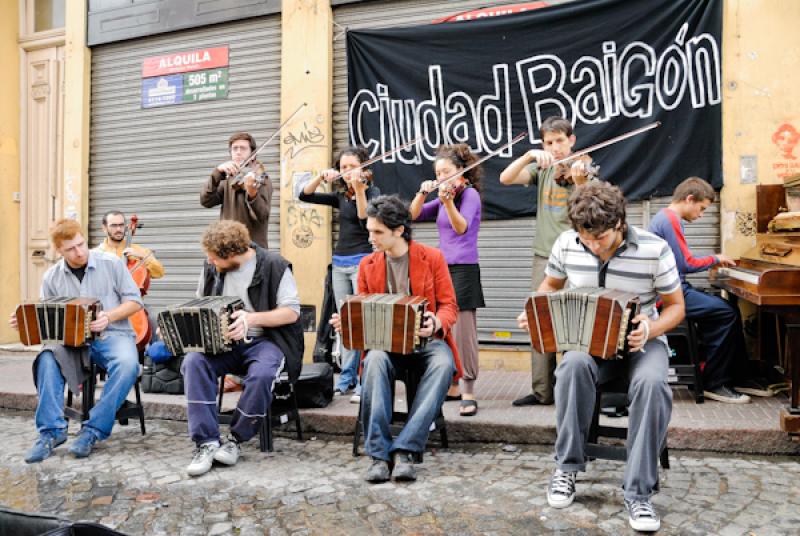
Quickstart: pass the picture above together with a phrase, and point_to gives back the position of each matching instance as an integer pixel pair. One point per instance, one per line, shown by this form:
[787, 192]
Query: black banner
[609, 66]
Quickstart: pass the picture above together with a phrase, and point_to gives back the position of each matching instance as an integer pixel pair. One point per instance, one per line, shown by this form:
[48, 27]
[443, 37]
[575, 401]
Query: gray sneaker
[642, 516]
[378, 471]
[203, 459]
[726, 394]
[228, 453]
[404, 470]
[561, 491]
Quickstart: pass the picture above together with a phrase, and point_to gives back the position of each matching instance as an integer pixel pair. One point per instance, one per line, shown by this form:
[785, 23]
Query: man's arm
[517, 171]
[446, 305]
[213, 191]
[287, 310]
[259, 205]
[669, 228]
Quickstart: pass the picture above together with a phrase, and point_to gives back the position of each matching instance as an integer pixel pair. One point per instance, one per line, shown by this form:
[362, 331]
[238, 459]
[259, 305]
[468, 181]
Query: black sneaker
[642, 516]
[561, 491]
[378, 471]
[527, 400]
[404, 470]
[727, 395]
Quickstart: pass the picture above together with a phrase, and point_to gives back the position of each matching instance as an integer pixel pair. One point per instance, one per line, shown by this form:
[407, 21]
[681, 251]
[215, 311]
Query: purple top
[457, 249]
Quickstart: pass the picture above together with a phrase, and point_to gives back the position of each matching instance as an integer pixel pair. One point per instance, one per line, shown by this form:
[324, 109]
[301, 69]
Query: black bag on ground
[314, 389]
[162, 377]
[326, 336]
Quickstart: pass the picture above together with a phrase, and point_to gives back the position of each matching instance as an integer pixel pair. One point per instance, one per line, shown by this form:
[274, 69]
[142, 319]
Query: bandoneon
[388, 322]
[57, 320]
[200, 325]
[592, 320]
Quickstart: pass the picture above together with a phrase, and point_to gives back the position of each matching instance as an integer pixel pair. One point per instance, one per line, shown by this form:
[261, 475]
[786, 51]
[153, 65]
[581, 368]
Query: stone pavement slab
[138, 485]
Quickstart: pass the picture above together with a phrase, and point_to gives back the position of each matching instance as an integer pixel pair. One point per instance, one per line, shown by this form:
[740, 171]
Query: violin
[563, 170]
[452, 190]
[141, 276]
[340, 185]
[256, 168]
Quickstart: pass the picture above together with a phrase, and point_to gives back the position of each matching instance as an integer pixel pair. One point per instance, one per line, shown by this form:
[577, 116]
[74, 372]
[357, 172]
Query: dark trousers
[259, 363]
[720, 330]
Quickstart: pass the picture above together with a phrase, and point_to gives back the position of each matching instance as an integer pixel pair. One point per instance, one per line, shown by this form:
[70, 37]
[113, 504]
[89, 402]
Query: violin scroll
[564, 171]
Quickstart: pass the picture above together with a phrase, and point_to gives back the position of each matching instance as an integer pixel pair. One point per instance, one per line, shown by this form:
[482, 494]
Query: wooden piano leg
[790, 418]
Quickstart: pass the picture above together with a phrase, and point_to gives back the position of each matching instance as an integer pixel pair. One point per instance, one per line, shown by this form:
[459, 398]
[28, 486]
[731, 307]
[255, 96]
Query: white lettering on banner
[605, 90]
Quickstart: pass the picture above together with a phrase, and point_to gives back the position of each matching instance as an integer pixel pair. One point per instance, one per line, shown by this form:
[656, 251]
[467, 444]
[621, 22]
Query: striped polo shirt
[643, 264]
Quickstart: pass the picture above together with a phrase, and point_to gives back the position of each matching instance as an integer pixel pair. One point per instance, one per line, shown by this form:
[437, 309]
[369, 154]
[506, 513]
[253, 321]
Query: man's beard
[112, 237]
[231, 268]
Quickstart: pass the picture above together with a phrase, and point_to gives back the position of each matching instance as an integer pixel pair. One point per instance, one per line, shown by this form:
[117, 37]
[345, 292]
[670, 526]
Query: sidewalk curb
[764, 442]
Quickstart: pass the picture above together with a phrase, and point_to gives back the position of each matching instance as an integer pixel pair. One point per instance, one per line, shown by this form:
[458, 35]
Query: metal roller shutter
[505, 246]
[154, 161]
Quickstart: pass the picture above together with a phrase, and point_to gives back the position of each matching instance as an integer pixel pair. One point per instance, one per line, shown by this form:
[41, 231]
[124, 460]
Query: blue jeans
[436, 359]
[345, 282]
[116, 354]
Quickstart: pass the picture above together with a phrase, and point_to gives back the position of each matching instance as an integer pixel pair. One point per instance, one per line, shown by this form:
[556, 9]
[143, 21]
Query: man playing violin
[116, 229]
[402, 266]
[555, 184]
[85, 273]
[244, 198]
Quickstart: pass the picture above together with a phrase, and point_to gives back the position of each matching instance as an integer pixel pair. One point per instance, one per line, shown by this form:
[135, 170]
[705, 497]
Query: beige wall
[761, 76]
[9, 166]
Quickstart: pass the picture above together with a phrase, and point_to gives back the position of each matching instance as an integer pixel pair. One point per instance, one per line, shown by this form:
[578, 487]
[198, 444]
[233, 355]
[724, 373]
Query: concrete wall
[761, 54]
[9, 166]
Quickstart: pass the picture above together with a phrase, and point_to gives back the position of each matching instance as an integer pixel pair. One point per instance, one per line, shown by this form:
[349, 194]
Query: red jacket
[430, 278]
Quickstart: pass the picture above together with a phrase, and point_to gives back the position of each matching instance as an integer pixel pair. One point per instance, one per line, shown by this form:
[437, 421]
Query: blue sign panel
[162, 91]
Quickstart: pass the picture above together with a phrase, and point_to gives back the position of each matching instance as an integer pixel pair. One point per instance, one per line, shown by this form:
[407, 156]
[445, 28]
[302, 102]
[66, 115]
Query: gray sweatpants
[650, 407]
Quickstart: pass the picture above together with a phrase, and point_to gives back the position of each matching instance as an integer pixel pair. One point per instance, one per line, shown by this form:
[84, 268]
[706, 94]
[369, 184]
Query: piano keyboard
[742, 274]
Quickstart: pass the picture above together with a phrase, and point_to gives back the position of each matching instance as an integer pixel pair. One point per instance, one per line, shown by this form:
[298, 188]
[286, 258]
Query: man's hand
[133, 253]
[336, 322]
[12, 321]
[100, 323]
[522, 321]
[724, 260]
[229, 168]
[238, 329]
[430, 325]
[542, 158]
[639, 336]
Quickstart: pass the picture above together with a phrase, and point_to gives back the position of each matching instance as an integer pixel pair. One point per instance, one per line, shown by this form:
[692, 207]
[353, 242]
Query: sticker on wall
[748, 169]
[185, 77]
[746, 223]
[786, 138]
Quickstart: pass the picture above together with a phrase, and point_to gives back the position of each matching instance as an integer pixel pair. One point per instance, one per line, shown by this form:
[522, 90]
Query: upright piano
[768, 276]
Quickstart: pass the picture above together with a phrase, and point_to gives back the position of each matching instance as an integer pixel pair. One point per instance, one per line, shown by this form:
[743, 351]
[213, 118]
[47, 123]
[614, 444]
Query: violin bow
[608, 142]
[252, 157]
[518, 138]
[376, 158]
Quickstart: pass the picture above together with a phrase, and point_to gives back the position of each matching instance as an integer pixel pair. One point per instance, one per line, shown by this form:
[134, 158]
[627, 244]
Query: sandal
[468, 404]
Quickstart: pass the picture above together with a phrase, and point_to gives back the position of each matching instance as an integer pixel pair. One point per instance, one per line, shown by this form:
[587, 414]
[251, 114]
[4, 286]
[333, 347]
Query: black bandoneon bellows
[200, 325]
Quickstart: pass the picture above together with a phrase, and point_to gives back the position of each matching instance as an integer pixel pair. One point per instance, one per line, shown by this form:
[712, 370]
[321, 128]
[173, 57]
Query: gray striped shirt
[643, 264]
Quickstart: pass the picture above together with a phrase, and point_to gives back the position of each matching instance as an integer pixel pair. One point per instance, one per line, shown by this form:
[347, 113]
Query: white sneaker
[642, 516]
[228, 453]
[203, 459]
[561, 491]
[355, 399]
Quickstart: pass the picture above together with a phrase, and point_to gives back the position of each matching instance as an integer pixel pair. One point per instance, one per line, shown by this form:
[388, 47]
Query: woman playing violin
[352, 190]
[457, 211]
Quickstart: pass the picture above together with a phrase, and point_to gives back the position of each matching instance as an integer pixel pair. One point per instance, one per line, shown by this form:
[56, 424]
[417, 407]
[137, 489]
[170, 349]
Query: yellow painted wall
[761, 76]
[9, 166]
[306, 77]
[77, 70]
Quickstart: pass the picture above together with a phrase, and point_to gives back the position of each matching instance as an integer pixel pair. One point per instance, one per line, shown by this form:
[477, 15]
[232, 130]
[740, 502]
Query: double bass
[141, 276]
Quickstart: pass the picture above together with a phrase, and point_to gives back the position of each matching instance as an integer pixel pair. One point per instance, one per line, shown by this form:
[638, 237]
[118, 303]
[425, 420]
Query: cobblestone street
[137, 485]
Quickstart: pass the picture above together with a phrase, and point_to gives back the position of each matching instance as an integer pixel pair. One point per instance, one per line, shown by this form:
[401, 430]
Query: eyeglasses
[116, 225]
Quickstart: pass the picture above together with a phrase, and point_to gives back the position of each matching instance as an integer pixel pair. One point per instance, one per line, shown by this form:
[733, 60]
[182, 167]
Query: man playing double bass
[247, 200]
[115, 226]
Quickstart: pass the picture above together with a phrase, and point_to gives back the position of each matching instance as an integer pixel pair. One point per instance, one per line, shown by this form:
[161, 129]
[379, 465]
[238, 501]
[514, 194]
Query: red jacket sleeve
[446, 305]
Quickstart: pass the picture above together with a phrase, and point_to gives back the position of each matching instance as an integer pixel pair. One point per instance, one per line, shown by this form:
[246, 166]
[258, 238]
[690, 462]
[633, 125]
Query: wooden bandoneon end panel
[57, 320]
[592, 320]
[199, 325]
[388, 322]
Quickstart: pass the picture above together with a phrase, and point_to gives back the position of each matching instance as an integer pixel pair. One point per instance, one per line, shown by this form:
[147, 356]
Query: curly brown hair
[461, 156]
[63, 230]
[226, 239]
[596, 207]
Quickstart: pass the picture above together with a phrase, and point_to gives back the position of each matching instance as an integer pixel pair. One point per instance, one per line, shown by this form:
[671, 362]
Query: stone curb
[316, 421]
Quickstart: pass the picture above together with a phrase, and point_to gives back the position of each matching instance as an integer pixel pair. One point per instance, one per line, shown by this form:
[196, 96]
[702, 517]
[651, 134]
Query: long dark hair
[352, 150]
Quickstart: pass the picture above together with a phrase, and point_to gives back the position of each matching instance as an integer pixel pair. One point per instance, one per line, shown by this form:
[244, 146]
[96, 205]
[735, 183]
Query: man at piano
[602, 250]
[269, 327]
[85, 273]
[115, 228]
[402, 266]
[719, 323]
